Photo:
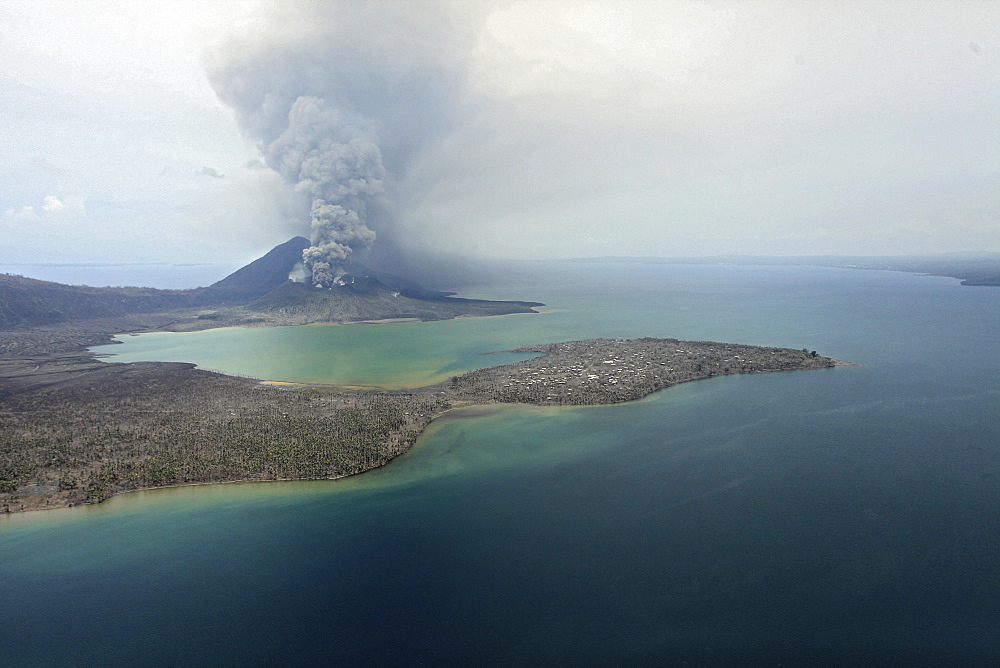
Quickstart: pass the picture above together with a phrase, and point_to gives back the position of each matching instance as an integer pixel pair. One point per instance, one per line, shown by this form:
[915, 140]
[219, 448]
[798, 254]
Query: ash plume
[339, 164]
[340, 98]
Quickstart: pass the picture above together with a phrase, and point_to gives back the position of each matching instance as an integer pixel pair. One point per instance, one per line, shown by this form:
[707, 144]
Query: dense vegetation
[127, 427]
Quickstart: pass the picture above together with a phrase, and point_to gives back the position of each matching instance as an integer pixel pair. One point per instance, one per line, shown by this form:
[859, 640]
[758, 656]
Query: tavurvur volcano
[274, 290]
[271, 290]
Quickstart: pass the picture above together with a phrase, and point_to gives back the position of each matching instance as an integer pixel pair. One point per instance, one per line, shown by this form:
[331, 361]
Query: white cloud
[52, 204]
[99, 98]
[51, 208]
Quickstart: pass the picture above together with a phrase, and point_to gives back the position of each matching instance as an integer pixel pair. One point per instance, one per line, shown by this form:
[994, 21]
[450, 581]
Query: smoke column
[333, 93]
[339, 165]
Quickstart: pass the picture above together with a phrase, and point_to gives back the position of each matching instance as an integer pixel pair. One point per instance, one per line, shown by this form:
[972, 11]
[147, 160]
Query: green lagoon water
[388, 355]
[849, 515]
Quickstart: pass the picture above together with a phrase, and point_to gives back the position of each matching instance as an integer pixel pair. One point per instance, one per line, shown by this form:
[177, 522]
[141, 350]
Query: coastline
[221, 416]
[27, 513]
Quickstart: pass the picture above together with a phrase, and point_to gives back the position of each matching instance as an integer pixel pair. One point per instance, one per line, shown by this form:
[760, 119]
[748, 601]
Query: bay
[847, 515]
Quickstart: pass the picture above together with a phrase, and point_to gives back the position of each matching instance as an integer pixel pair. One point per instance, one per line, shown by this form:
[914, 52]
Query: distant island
[75, 430]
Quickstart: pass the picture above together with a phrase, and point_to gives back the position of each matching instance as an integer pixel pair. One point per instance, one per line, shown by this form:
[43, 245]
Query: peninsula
[75, 430]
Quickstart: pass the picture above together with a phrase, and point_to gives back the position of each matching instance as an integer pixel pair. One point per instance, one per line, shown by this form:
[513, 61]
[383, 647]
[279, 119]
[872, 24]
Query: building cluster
[612, 370]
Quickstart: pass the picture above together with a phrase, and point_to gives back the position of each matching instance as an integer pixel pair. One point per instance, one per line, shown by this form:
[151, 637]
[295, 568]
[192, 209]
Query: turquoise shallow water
[846, 515]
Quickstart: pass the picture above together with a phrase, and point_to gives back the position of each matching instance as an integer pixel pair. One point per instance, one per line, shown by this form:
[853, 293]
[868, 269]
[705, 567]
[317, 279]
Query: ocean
[838, 516]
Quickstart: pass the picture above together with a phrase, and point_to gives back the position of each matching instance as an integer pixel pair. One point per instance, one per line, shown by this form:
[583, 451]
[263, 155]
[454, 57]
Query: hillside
[360, 298]
[27, 302]
[257, 278]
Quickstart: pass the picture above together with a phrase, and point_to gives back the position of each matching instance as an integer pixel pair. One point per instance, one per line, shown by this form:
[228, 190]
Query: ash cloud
[341, 98]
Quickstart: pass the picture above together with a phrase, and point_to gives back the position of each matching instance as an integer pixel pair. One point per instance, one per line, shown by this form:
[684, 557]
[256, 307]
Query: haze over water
[843, 515]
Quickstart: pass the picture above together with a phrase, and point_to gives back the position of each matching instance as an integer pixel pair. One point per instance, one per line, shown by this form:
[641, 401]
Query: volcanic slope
[260, 293]
[359, 295]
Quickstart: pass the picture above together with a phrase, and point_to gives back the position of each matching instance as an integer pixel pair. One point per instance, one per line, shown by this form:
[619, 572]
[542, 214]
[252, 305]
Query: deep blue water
[849, 515]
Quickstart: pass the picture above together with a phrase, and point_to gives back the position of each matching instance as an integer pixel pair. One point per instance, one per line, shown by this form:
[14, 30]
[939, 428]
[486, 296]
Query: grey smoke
[341, 100]
[336, 160]
[299, 273]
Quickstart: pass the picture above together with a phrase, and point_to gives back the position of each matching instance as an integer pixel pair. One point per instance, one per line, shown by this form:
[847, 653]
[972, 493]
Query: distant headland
[973, 268]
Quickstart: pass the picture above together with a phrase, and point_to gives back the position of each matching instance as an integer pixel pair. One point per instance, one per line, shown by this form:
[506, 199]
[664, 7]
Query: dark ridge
[27, 302]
